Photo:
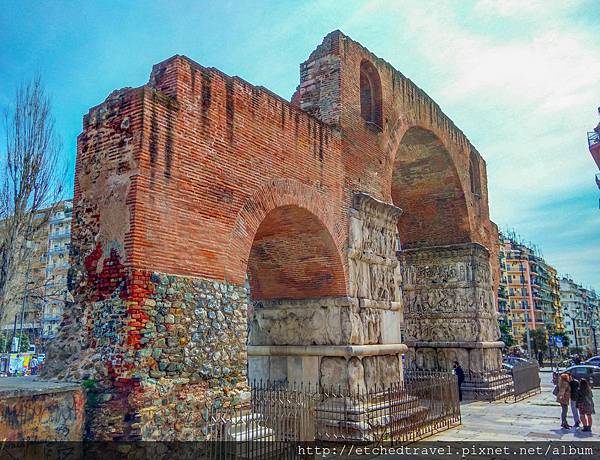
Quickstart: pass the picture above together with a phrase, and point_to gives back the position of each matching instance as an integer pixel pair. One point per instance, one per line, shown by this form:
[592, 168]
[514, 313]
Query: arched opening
[474, 175]
[293, 256]
[294, 271]
[370, 95]
[425, 184]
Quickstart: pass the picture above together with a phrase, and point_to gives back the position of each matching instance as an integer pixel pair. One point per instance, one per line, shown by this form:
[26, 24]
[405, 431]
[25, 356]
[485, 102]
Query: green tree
[506, 335]
[24, 343]
[539, 341]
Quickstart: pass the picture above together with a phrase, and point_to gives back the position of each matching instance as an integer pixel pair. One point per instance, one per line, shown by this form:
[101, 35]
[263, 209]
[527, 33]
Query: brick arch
[277, 203]
[425, 183]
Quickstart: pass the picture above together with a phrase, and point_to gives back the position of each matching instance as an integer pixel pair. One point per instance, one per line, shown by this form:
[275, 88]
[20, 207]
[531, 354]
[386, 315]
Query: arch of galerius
[223, 234]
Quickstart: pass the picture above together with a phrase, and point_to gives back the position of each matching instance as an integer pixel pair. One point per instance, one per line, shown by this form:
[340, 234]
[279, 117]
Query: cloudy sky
[521, 78]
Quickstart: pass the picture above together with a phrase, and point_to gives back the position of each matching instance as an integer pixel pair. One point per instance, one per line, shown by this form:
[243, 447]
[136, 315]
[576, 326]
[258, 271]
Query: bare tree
[29, 179]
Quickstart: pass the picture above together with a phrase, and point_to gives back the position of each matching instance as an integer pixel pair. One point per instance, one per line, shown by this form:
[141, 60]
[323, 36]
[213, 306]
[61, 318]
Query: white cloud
[521, 8]
[524, 82]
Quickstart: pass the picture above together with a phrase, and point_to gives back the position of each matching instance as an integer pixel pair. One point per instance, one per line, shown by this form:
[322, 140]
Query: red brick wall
[293, 256]
[373, 157]
[210, 156]
[205, 162]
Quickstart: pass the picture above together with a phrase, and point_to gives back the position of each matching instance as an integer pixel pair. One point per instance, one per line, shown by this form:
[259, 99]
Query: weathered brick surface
[199, 178]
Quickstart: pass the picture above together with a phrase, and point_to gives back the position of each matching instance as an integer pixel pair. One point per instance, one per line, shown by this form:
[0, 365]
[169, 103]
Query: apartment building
[581, 310]
[38, 291]
[57, 267]
[529, 292]
[26, 290]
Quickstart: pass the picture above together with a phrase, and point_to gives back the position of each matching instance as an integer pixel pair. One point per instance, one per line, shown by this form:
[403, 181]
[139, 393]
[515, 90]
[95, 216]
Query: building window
[370, 96]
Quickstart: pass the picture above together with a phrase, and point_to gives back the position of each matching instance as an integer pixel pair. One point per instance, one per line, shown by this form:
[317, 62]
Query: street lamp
[574, 328]
[527, 332]
[593, 328]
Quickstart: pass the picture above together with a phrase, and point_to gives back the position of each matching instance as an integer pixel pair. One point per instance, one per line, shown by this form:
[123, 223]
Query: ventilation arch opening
[370, 96]
[475, 175]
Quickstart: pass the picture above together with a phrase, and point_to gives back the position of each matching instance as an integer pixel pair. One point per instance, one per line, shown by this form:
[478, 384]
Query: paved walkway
[533, 419]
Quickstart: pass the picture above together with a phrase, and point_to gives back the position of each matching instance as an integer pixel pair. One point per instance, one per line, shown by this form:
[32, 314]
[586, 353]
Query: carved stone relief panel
[374, 271]
[448, 294]
[315, 322]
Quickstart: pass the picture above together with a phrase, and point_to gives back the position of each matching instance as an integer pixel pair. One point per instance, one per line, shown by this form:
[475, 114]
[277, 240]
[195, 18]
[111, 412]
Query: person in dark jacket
[460, 375]
[574, 383]
[585, 404]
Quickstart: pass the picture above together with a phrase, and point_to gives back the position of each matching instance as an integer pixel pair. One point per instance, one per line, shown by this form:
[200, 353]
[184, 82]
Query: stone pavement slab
[533, 419]
[31, 385]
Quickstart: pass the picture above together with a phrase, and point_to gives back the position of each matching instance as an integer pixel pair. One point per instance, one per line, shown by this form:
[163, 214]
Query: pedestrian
[540, 357]
[574, 384]
[460, 375]
[33, 365]
[585, 404]
[563, 397]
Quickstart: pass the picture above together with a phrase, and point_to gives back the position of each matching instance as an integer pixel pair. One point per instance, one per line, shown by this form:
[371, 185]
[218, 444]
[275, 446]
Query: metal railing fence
[508, 385]
[276, 419]
[526, 380]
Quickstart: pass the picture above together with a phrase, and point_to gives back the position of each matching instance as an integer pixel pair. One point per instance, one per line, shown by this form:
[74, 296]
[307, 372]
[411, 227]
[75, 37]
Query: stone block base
[487, 386]
[350, 420]
[474, 357]
[351, 366]
[32, 410]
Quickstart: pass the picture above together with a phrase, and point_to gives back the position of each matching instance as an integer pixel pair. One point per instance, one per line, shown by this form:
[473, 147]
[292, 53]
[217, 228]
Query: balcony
[59, 250]
[51, 268]
[58, 220]
[59, 235]
[51, 318]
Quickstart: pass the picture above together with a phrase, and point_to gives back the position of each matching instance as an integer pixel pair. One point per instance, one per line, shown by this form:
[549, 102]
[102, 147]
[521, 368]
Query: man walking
[574, 383]
[460, 375]
[33, 365]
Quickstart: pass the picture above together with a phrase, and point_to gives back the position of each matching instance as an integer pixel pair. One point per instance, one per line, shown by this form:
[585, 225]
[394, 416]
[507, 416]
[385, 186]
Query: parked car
[585, 371]
[594, 361]
[512, 361]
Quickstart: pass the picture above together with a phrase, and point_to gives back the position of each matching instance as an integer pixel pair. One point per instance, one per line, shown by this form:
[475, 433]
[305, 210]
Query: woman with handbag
[563, 397]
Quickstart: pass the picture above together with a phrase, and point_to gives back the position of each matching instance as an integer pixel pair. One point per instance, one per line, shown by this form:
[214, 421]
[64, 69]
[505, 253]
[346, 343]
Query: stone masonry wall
[182, 347]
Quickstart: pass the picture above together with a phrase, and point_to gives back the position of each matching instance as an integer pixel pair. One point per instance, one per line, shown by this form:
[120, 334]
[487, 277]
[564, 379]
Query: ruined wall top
[321, 73]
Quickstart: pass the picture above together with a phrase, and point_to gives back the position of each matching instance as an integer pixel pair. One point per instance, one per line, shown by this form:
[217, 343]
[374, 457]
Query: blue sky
[520, 78]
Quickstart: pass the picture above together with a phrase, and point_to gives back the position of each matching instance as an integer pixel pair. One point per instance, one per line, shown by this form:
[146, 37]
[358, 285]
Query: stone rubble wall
[180, 345]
